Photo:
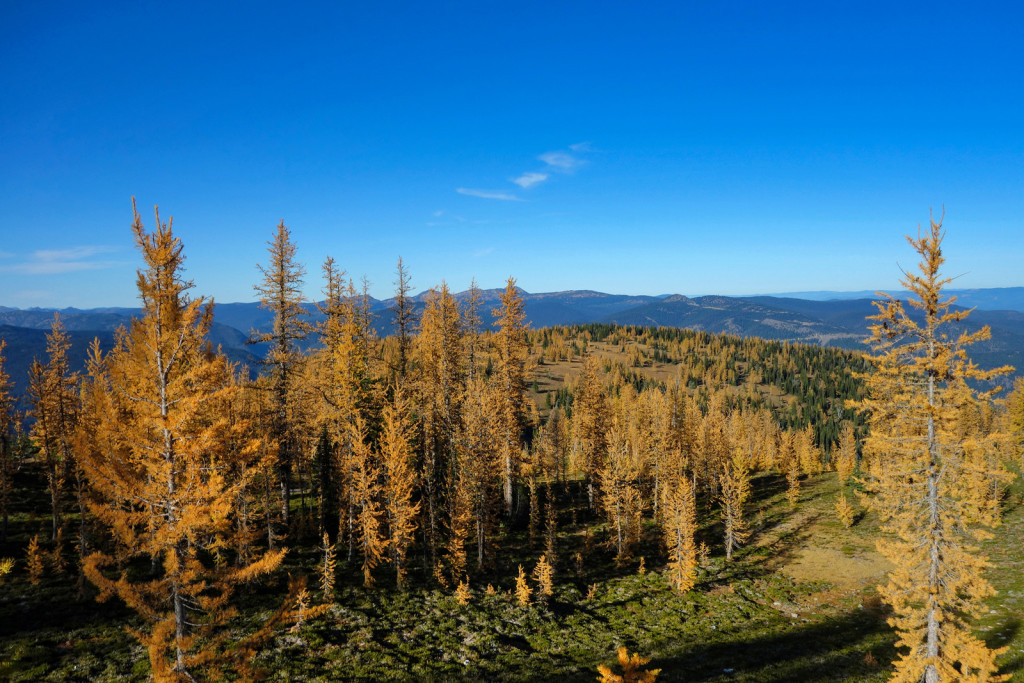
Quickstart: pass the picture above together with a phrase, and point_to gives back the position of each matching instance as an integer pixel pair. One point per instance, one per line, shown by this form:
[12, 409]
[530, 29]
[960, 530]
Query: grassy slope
[748, 621]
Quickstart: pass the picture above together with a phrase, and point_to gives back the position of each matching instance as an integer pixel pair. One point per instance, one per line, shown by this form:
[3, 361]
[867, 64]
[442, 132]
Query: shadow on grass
[834, 649]
[1006, 632]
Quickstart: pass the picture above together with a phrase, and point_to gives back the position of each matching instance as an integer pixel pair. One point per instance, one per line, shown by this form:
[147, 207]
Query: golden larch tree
[404, 317]
[735, 489]
[399, 482]
[589, 426]
[439, 390]
[365, 476]
[679, 525]
[53, 390]
[479, 466]
[7, 442]
[846, 457]
[620, 493]
[927, 481]
[158, 467]
[509, 380]
[280, 293]
[1015, 417]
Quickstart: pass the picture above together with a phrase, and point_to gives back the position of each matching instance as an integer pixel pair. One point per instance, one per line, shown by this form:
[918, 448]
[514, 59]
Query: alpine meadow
[512, 342]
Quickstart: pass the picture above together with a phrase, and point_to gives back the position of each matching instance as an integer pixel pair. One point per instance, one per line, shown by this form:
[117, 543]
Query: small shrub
[631, 669]
[35, 561]
[523, 590]
[462, 593]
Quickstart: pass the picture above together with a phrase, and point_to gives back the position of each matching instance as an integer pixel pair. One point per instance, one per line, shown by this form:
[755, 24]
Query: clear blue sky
[629, 147]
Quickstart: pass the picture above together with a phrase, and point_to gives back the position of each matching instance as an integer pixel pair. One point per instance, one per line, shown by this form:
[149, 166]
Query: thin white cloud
[488, 194]
[561, 161]
[438, 214]
[56, 261]
[530, 179]
[557, 161]
[483, 252]
[6, 254]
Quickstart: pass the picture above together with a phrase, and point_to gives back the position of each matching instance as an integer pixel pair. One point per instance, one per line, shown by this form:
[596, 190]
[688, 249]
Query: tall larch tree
[510, 381]
[280, 292]
[1015, 417]
[679, 525]
[7, 442]
[590, 426]
[735, 489]
[53, 390]
[158, 468]
[926, 481]
[439, 390]
[404, 313]
[399, 483]
[343, 369]
[472, 327]
[479, 466]
[365, 486]
[343, 386]
[620, 492]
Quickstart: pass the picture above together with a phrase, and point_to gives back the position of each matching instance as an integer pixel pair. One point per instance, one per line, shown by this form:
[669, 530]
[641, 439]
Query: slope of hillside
[729, 315]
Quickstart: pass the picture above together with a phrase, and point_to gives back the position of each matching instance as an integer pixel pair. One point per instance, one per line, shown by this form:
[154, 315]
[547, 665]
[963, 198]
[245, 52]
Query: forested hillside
[464, 498]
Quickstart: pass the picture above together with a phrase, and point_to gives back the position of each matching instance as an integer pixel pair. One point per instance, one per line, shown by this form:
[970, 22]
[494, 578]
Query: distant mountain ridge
[839, 321]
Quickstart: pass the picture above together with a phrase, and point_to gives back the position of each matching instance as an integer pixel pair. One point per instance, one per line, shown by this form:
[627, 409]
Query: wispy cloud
[55, 261]
[561, 161]
[483, 252]
[529, 179]
[488, 194]
[5, 254]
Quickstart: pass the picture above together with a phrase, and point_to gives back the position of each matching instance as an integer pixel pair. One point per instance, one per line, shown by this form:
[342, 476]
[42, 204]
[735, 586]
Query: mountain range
[808, 318]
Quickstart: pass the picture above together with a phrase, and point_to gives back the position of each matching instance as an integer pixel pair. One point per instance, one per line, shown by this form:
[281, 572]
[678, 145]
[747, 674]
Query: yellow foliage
[400, 480]
[523, 590]
[35, 560]
[846, 458]
[168, 459]
[930, 475]
[620, 491]
[735, 482]
[462, 593]
[679, 524]
[544, 575]
[793, 488]
[327, 568]
[57, 559]
[631, 669]
[365, 474]
[1015, 413]
[845, 511]
[509, 381]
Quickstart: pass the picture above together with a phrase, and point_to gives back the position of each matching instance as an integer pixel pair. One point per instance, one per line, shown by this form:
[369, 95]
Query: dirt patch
[814, 563]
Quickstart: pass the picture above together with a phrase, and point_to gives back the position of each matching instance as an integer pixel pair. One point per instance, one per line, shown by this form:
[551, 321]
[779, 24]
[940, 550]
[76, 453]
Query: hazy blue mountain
[991, 298]
[837, 321]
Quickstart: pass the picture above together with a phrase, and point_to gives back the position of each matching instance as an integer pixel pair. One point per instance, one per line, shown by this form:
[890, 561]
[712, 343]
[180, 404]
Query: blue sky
[696, 148]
